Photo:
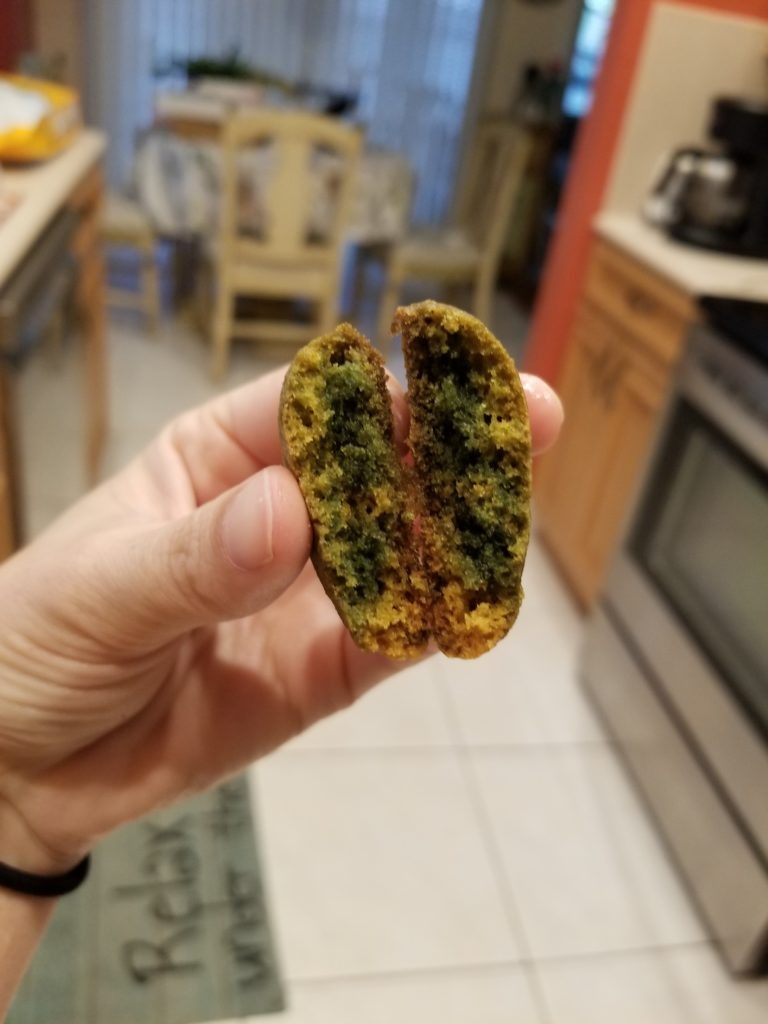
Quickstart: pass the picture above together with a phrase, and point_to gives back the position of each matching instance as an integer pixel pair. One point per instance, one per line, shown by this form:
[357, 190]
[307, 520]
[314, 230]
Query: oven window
[702, 536]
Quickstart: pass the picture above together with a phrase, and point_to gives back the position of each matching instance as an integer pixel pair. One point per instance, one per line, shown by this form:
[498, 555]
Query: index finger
[256, 424]
[233, 436]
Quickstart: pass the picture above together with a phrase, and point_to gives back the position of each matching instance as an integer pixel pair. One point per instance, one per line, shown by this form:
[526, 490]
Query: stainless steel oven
[677, 654]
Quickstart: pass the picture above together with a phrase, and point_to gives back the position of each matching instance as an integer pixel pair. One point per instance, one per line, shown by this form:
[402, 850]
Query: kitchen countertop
[696, 271]
[42, 190]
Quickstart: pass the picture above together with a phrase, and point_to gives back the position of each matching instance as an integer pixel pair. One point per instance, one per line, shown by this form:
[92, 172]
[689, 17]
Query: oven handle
[728, 409]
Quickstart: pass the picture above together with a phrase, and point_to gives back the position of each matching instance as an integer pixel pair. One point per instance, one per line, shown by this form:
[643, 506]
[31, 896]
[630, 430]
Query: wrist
[22, 848]
[22, 922]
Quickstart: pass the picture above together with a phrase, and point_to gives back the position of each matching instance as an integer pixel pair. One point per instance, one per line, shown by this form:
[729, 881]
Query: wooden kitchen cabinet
[625, 341]
[55, 227]
[86, 201]
[8, 511]
[7, 532]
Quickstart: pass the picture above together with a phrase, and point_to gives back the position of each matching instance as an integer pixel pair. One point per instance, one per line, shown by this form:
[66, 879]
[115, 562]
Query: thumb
[229, 558]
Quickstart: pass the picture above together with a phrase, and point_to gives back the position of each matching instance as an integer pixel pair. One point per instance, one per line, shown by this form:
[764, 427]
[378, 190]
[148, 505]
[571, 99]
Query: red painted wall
[563, 278]
[14, 31]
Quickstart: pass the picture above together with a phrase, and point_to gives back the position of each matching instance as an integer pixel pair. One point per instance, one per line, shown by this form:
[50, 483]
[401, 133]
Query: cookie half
[471, 445]
[338, 440]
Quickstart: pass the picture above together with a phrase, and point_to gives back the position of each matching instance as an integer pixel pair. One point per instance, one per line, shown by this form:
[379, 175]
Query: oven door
[690, 588]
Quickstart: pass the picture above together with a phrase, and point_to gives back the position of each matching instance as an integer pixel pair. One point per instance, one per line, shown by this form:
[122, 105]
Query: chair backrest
[286, 185]
[500, 154]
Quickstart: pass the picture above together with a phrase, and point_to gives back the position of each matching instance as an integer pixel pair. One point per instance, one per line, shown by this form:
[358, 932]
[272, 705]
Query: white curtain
[410, 61]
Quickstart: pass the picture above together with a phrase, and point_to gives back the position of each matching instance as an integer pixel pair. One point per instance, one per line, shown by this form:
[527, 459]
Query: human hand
[168, 629]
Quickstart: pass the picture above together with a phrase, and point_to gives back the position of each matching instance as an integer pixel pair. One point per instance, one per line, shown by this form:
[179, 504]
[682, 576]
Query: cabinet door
[583, 488]
[656, 312]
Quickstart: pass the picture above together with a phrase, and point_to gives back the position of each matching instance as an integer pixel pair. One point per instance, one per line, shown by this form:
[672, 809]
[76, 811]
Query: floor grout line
[439, 970]
[646, 949]
[502, 964]
[435, 748]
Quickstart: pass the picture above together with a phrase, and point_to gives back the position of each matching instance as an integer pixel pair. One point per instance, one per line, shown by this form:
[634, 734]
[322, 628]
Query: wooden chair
[284, 258]
[127, 225]
[468, 253]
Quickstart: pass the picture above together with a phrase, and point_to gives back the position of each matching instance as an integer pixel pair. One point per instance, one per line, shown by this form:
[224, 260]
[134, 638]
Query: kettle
[698, 187]
[716, 199]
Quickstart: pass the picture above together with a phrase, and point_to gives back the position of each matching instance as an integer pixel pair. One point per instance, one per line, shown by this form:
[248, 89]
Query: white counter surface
[696, 271]
[43, 189]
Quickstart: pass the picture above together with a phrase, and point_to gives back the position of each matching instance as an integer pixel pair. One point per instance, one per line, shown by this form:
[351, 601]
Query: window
[409, 61]
[591, 37]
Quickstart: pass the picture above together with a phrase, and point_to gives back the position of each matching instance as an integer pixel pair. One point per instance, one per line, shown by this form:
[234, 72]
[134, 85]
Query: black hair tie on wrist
[44, 885]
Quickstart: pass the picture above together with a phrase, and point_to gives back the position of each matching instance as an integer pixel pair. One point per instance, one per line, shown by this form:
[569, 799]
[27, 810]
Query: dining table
[178, 170]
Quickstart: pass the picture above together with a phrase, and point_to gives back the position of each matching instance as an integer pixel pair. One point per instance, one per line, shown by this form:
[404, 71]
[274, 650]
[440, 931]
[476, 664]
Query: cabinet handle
[606, 372]
[614, 382]
[639, 302]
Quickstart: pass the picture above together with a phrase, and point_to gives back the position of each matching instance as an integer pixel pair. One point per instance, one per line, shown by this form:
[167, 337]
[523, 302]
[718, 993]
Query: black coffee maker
[718, 198]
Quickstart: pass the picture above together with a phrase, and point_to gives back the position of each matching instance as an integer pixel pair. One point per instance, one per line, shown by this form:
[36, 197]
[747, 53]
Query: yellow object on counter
[38, 119]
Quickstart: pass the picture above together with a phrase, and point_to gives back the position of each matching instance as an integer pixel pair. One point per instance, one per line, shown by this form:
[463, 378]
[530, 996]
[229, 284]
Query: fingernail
[247, 526]
[540, 391]
[546, 413]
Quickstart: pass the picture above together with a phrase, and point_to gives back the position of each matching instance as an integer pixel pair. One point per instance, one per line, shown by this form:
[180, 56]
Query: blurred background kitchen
[574, 828]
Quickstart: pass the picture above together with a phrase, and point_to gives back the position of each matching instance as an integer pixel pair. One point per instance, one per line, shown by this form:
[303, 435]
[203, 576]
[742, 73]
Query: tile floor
[462, 846]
